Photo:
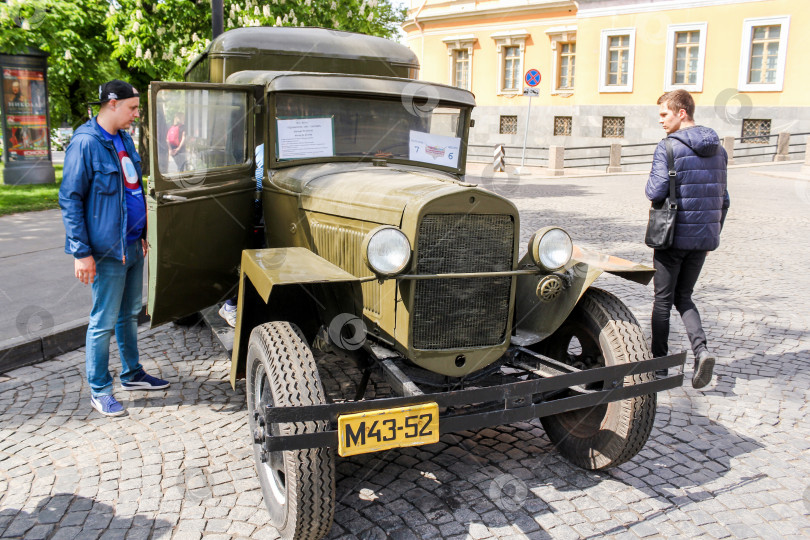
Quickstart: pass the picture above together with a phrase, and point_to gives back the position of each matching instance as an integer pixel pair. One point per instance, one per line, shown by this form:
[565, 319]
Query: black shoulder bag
[661, 227]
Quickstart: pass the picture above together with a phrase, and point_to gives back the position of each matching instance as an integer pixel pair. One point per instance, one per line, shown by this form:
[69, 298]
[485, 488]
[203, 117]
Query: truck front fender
[535, 319]
[284, 284]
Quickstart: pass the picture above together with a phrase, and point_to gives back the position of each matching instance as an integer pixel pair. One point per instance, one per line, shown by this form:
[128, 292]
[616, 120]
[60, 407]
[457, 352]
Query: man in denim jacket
[104, 213]
[700, 164]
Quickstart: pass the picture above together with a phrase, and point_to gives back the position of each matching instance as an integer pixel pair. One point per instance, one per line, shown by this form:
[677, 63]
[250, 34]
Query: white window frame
[745, 54]
[557, 35]
[514, 38]
[631, 55]
[454, 44]
[669, 79]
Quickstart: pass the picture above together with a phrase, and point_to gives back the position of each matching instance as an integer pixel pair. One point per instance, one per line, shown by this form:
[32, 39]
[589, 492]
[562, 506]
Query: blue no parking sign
[532, 77]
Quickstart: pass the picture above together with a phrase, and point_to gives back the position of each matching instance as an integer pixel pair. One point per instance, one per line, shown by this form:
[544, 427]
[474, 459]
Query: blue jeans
[117, 301]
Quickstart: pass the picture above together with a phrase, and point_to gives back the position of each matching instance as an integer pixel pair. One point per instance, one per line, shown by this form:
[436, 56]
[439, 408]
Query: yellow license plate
[372, 431]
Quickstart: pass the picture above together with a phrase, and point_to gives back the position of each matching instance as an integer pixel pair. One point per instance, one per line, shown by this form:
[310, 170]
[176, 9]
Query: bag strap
[672, 174]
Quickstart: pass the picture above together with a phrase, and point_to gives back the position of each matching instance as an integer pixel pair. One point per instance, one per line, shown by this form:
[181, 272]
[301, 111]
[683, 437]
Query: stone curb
[28, 350]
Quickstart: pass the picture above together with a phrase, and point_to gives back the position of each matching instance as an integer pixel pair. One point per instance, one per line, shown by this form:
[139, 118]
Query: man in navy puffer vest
[700, 163]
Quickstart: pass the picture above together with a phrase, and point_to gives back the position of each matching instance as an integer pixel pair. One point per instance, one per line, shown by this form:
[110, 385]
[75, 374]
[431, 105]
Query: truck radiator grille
[341, 246]
[461, 313]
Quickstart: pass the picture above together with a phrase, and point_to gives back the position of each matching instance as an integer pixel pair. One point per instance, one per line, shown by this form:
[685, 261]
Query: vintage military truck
[377, 248]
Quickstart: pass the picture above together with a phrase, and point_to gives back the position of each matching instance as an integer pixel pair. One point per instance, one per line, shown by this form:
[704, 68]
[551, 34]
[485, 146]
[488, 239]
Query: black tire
[298, 485]
[607, 435]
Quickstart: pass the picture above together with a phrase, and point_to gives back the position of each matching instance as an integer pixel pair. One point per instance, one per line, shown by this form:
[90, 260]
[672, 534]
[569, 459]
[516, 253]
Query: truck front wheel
[601, 331]
[298, 485]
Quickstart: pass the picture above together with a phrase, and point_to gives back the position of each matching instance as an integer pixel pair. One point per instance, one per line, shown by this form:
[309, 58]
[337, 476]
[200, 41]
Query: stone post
[782, 147]
[806, 166]
[728, 144]
[615, 164]
[556, 160]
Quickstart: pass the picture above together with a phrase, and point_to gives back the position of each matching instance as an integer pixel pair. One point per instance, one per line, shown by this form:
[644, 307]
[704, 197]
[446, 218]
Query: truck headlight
[386, 250]
[551, 248]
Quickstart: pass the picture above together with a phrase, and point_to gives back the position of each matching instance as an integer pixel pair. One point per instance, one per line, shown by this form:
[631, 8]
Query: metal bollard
[499, 159]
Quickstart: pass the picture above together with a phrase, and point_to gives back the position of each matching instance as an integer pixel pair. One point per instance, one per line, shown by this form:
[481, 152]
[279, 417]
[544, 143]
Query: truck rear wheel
[298, 485]
[601, 331]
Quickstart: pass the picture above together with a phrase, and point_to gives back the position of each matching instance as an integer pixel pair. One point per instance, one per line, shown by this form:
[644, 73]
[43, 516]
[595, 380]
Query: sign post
[532, 79]
[25, 126]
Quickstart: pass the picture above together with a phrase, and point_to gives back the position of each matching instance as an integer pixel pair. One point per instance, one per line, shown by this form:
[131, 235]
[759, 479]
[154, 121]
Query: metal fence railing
[536, 156]
[587, 156]
[619, 157]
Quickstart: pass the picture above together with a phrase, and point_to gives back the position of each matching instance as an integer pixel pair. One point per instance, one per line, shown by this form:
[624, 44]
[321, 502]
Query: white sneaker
[229, 314]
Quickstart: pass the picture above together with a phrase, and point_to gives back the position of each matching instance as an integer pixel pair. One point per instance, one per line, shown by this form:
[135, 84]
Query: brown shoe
[704, 366]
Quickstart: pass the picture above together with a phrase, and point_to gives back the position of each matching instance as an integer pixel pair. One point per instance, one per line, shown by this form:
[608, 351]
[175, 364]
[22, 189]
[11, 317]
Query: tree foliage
[159, 39]
[73, 33]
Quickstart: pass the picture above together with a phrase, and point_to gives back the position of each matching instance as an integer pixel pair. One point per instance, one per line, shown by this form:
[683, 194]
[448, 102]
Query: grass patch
[28, 198]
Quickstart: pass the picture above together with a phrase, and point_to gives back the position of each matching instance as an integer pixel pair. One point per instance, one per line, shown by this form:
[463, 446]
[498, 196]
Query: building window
[511, 68]
[460, 58]
[613, 126]
[461, 68]
[562, 125]
[617, 55]
[563, 49]
[686, 54]
[510, 47]
[687, 47]
[763, 53]
[756, 131]
[508, 125]
[565, 66]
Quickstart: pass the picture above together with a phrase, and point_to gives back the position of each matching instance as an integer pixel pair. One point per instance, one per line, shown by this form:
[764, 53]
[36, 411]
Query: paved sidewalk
[729, 462]
[45, 308]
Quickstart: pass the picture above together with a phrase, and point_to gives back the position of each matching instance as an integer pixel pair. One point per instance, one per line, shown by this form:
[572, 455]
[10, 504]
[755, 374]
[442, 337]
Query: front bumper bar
[484, 407]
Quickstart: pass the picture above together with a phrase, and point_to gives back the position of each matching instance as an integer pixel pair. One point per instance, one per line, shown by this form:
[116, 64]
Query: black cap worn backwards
[115, 89]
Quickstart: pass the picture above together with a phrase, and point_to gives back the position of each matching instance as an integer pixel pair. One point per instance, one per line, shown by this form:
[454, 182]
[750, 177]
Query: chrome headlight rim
[374, 236]
[539, 246]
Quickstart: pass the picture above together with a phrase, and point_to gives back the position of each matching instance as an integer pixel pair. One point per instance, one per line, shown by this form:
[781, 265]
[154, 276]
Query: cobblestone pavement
[731, 461]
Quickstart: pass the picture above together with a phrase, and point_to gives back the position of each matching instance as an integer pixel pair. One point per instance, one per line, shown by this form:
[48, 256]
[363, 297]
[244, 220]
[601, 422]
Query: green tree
[73, 33]
[157, 40]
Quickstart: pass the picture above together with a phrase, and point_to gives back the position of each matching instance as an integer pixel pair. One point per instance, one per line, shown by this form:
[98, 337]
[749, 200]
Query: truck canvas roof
[308, 49]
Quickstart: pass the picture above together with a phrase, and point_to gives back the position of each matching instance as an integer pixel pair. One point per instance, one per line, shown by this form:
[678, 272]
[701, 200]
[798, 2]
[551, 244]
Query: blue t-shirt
[136, 206]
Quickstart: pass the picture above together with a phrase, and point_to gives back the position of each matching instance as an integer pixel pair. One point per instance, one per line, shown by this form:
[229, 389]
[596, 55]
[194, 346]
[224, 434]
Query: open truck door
[200, 194]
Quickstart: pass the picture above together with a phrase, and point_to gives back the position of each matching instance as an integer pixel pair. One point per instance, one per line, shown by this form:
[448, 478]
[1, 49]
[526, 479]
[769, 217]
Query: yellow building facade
[604, 63]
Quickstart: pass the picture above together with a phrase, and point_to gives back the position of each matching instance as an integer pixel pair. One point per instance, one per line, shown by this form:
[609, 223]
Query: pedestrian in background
[104, 213]
[703, 201]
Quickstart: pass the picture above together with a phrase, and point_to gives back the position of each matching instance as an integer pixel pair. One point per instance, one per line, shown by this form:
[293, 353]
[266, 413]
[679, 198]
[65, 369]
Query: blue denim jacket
[92, 194]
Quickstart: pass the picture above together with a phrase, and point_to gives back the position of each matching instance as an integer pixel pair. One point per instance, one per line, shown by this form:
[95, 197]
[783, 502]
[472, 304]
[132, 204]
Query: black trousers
[677, 271]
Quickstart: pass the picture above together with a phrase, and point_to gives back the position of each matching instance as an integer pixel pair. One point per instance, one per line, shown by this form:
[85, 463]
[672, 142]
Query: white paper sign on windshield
[435, 149]
[300, 138]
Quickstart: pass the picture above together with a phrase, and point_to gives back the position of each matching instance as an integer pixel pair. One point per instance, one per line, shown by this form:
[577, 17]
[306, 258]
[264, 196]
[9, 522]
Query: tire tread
[294, 381]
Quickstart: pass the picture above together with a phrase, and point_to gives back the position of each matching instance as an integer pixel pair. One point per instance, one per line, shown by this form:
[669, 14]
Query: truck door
[200, 194]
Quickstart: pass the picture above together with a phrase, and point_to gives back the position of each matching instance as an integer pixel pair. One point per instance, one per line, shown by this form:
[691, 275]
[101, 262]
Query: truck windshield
[317, 126]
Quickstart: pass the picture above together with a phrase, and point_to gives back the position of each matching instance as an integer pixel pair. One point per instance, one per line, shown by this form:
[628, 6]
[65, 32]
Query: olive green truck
[379, 250]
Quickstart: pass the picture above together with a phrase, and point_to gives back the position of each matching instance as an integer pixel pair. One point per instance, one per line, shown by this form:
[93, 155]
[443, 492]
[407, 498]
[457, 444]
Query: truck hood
[364, 192]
